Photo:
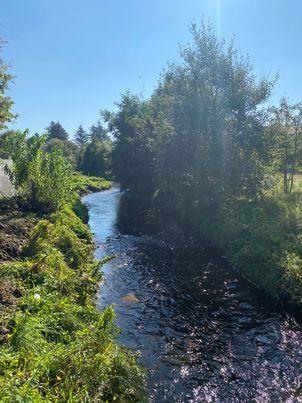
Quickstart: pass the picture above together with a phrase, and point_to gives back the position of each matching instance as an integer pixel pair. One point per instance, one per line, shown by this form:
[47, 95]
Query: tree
[81, 137]
[285, 131]
[96, 158]
[200, 140]
[69, 150]
[132, 157]
[56, 131]
[97, 131]
[6, 103]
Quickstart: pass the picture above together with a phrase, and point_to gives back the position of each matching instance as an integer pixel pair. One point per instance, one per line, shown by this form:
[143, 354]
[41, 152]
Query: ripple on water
[204, 334]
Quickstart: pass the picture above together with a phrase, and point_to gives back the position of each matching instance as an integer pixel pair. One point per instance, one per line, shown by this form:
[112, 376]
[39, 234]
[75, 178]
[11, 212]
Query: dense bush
[262, 239]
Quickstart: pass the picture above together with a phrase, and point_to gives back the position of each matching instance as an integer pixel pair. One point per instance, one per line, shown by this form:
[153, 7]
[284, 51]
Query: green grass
[85, 184]
[57, 346]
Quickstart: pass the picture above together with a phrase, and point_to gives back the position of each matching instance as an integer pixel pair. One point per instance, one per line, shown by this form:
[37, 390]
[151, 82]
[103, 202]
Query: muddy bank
[15, 228]
[14, 231]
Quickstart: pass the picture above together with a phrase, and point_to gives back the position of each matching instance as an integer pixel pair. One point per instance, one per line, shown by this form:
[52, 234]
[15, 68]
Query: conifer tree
[81, 137]
[97, 131]
[56, 131]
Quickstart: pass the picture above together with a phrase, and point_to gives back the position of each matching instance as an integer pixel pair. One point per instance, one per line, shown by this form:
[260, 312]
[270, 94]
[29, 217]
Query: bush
[44, 179]
[262, 239]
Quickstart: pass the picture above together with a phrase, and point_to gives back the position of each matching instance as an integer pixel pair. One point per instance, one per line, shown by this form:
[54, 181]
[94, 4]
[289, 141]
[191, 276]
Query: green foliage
[6, 103]
[43, 178]
[23, 151]
[200, 139]
[81, 210]
[132, 156]
[81, 137]
[51, 182]
[59, 347]
[56, 131]
[285, 141]
[69, 150]
[85, 184]
[97, 132]
[203, 156]
[96, 158]
[262, 239]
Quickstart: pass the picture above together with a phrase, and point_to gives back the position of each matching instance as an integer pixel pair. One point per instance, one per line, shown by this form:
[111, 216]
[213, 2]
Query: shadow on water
[204, 333]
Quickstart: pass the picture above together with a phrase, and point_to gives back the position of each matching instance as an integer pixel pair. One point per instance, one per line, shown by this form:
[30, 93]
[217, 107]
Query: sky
[72, 58]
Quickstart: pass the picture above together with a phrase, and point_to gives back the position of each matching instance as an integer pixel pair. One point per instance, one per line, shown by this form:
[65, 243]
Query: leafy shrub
[81, 210]
[262, 238]
[44, 179]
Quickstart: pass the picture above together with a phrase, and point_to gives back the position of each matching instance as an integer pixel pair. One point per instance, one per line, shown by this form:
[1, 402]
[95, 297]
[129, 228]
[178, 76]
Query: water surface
[204, 333]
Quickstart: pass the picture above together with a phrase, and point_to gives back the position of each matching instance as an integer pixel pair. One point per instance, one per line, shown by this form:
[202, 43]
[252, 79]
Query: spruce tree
[56, 131]
[81, 137]
[97, 131]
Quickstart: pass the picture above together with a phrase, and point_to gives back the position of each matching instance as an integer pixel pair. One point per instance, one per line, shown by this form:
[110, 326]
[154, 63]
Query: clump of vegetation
[85, 184]
[58, 346]
[205, 155]
[42, 178]
[262, 239]
[55, 345]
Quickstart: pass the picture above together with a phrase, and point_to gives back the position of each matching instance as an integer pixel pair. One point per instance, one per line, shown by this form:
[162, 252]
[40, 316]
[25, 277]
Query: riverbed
[204, 333]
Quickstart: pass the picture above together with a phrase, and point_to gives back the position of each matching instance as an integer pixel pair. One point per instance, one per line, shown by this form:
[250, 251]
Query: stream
[204, 333]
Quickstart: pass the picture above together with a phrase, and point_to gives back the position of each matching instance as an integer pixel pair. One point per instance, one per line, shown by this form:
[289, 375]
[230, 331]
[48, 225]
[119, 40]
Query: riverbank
[55, 345]
[88, 184]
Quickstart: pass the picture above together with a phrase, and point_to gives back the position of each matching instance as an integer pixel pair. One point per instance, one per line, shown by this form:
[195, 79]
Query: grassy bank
[263, 240]
[55, 344]
[86, 184]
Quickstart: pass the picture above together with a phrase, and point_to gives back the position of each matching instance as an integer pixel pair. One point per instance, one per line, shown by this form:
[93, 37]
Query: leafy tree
[285, 131]
[96, 158]
[69, 150]
[56, 131]
[132, 155]
[6, 103]
[81, 137]
[200, 140]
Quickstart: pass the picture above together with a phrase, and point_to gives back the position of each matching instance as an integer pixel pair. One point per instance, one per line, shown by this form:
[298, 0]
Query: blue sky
[72, 58]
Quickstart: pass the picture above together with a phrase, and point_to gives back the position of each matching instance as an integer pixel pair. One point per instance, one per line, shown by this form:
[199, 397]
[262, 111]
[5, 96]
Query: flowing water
[204, 333]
